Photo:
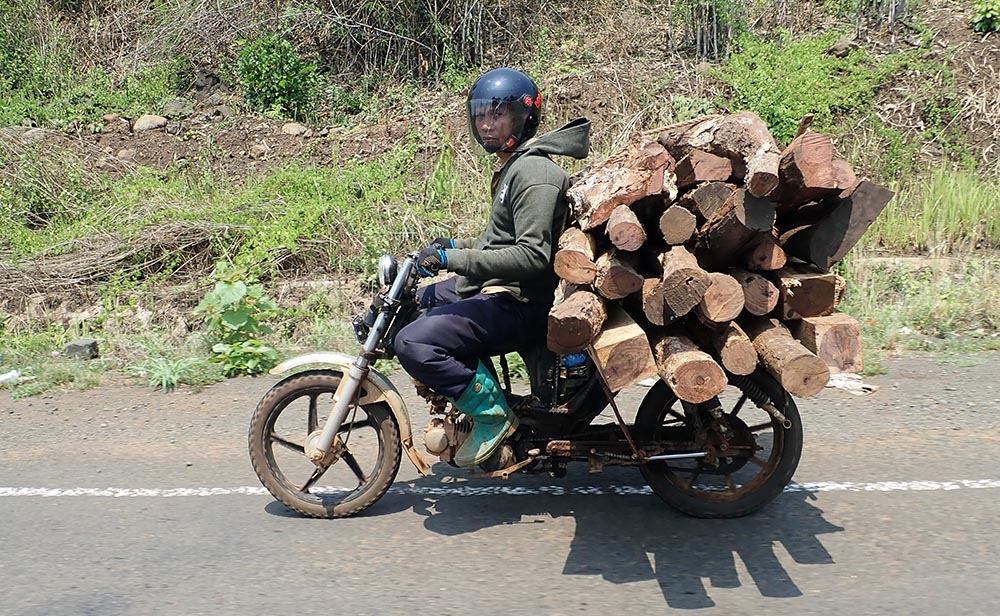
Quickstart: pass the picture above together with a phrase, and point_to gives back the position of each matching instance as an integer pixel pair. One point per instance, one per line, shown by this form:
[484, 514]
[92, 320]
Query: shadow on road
[635, 537]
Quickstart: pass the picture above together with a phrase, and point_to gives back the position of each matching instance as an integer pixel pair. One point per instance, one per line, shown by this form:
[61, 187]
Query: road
[120, 500]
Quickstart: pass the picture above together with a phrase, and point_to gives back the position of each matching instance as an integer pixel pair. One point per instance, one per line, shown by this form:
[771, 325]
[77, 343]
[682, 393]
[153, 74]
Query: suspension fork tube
[347, 391]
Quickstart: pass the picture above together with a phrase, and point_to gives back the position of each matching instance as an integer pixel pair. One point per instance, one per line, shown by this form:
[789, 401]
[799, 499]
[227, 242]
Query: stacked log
[704, 249]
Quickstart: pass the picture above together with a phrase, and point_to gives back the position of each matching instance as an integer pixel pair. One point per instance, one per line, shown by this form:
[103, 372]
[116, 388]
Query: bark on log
[805, 291]
[700, 166]
[672, 137]
[828, 240]
[723, 300]
[574, 324]
[707, 199]
[684, 281]
[731, 229]
[574, 261]
[690, 373]
[760, 296]
[677, 224]
[806, 171]
[764, 254]
[797, 368]
[622, 351]
[634, 172]
[616, 277]
[625, 230]
[835, 338]
[743, 137]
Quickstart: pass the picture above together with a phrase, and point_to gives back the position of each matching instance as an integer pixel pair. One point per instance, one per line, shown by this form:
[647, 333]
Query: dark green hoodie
[515, 250]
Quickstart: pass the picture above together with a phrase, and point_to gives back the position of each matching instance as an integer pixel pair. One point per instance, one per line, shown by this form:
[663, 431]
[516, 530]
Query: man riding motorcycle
[500, 299]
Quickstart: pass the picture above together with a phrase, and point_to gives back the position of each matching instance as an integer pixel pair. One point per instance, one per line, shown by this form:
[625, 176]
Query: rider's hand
[443, 242]
[431, 260]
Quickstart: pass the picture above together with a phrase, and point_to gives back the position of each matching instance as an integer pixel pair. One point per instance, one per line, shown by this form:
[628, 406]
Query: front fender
[376, 388]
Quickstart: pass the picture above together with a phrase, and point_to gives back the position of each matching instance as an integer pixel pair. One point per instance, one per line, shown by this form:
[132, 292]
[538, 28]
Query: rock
[841, 48]
[258, 151]
[174, 128]
[149, 122]
[127, 155]
[222, 112]
[215, 99]
[294, 128]
[111, 117]
[177, 108]
[83, 348]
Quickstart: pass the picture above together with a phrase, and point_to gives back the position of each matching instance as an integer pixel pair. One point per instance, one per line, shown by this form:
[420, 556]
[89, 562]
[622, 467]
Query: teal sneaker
[492, 419]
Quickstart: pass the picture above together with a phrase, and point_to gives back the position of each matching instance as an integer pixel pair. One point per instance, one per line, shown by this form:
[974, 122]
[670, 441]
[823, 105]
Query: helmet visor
[497, 124]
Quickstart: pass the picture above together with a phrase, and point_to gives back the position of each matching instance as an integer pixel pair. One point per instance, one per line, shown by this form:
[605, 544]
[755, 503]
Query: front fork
[318, 443]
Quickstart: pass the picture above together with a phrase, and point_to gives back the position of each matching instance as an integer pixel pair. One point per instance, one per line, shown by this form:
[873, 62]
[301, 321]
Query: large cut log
[727, 233]
[673, 136]
[723, 300]
[677, 224]
[622, 351]
[684, 281]
[574, 261]
[742, 137]
[690, 373]
[827, 241]
[764, 254]
[806, 171]
[707, 199]
[638, 170]
[574, 323]
[699, 166]
[625, 230]
[797, 368]
[805, 291]
[835, 338]
[616, 277]
[647, 306]
[732, 346]
[760, 296]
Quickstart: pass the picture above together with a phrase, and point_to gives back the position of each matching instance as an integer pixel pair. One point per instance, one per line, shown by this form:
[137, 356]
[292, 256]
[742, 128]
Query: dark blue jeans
[443, 346]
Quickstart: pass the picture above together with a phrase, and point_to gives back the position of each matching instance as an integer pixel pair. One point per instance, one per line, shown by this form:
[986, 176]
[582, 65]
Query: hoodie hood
[572, 139]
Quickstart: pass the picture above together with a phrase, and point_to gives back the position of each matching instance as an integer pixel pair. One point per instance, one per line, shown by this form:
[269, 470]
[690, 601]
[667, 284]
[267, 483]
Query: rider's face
[495, 124]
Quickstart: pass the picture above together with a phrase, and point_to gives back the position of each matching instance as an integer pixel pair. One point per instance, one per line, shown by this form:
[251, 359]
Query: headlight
[386, 270]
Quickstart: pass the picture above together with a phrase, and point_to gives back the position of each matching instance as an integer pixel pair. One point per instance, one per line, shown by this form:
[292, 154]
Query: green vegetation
[987, 18]
[275, 80]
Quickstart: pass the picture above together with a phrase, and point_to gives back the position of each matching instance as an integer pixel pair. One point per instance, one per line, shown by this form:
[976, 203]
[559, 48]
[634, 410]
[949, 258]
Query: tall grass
[947, 211]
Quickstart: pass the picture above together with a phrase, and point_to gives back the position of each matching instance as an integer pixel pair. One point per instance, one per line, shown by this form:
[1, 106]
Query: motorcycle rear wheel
[287, 414]
[744, 483]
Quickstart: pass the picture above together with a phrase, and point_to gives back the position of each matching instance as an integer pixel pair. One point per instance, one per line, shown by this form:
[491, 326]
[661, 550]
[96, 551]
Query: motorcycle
[326, 440]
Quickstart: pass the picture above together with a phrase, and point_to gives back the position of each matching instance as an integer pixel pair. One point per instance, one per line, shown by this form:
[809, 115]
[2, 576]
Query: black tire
[273, 448]
[668, 479]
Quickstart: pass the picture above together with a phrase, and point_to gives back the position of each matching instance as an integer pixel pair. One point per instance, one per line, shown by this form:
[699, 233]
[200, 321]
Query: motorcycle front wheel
[367, 444]
[753, 453]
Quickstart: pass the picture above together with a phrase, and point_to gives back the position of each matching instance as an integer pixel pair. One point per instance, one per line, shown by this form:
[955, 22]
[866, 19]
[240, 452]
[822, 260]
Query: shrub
[987, 17]
[275, 79]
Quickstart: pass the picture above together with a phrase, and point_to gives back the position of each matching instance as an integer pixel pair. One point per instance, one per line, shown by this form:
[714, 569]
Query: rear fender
[376, 388]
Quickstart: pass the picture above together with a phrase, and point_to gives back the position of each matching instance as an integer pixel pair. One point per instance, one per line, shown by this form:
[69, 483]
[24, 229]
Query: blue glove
[431, 260]
[443, 242]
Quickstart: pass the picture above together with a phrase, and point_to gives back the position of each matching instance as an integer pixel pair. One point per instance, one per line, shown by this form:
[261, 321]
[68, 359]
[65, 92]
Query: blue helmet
[496, 94]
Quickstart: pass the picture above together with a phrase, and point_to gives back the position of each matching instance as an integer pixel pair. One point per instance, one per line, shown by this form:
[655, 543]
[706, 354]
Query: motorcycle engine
[443, 436]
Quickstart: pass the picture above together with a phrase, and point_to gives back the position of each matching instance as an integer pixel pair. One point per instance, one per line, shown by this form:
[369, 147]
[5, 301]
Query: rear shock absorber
[757, 395]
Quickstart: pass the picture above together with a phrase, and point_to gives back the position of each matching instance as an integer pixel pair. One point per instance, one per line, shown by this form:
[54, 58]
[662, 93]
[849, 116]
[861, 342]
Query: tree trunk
[616, 278]
[806, 171]
[835, 338]
[574, 261]
[690, 373]
[765, 254]
[574, 324]
[732, 346]
[797, 368]
[684, 282]
[707, 199]
[677, 224]
[625, 230]
[760, 296]
[723, 300]
[622, 351]
[745, 138]
[727, 233]
[699, 166]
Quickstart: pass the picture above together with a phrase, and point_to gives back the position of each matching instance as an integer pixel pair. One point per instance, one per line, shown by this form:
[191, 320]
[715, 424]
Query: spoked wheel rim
[723, 474]
[751, 454]
[284, 449]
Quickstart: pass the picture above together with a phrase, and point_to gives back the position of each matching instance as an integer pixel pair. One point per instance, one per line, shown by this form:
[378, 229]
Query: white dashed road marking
[506, 490]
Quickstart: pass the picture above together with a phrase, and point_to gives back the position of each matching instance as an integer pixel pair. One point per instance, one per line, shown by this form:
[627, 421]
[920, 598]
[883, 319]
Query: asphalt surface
[124, 501]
